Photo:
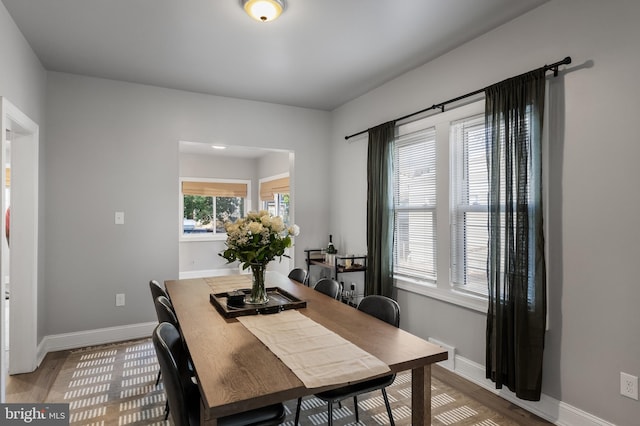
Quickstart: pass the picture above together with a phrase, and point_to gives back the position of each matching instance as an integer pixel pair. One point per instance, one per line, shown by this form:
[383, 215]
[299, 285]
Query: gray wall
[23, 82]
[22, 78]
[113, 146]
[593, 190]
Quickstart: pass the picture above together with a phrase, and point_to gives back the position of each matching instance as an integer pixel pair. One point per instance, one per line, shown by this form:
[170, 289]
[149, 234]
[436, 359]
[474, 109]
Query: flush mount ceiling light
[263, 10]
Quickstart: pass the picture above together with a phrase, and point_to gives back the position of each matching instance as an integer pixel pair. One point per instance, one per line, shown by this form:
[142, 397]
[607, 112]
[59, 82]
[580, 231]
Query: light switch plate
[119, 218]
[120, 299]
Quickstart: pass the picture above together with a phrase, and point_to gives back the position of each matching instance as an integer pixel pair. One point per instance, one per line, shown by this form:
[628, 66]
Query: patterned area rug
[115, 385]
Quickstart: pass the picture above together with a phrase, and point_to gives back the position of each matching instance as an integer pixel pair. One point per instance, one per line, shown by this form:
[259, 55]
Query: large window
[440, 206]
[207, 203]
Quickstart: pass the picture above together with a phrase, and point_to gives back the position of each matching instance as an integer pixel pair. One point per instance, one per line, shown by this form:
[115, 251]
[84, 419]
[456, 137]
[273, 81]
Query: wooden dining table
[236, 372]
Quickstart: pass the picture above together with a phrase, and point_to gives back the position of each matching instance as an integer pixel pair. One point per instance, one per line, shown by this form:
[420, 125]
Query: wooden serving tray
[279, 300]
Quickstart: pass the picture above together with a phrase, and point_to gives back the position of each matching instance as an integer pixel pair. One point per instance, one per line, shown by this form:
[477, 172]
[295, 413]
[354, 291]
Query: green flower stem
[258, 291]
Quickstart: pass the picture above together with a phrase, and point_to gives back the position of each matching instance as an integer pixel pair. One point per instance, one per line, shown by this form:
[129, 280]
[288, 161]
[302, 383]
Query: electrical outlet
[629, 386]
[120, 299]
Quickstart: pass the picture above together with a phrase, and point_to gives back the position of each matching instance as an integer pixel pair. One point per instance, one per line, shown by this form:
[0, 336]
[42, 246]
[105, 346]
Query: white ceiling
[201, 148]
[318, 54]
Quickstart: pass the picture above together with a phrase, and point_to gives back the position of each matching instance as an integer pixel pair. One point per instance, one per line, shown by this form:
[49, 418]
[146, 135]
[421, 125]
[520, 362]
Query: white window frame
[443, 288]
[263, 204]
[206, 237]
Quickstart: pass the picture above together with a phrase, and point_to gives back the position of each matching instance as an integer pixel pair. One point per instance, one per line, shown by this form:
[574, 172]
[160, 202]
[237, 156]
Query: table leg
[421, 396]
[204, 416]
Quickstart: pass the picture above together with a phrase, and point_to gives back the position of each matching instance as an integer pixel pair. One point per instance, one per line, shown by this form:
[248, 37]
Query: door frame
[23, 325]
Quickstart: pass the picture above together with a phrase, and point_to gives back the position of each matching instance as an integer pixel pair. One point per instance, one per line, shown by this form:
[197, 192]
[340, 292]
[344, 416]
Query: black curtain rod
[441, 105]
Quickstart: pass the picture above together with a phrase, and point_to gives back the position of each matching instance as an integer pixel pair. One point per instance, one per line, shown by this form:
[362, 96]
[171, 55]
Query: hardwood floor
[34, 387]
[488, 399]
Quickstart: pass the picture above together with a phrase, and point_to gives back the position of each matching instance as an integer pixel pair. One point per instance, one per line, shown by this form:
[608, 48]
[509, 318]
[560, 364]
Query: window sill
[449, 295]
[195, 238]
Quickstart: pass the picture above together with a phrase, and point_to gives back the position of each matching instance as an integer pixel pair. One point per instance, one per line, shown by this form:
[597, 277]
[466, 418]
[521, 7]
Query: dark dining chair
[387, 310]
[157, 290]
[183, 395]
[328, 286]
[298, 274]
[165, 313]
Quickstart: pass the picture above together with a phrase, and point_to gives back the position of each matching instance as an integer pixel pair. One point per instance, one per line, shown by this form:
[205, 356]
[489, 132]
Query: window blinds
[214, 189]
[470, 204]
[271, 187]
[415, 205]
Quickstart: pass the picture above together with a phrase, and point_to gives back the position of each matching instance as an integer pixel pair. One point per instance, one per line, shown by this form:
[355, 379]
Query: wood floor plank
[34, 388]
[487, 398]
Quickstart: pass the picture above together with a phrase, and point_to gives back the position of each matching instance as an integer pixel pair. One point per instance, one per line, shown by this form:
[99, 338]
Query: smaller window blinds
[271, 187]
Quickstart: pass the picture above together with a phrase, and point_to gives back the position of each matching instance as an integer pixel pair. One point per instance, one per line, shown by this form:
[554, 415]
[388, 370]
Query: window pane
[228, 208]
[283, 207]
[470, 191]
[415, 200]
[415, 250]
[278, 206]
[198, 214]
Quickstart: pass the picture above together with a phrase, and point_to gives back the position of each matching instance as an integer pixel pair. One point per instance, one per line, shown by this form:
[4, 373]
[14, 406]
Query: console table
[343, 263]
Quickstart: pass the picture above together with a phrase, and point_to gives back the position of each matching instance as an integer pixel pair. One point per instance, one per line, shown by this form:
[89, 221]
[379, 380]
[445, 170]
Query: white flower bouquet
[257, 238]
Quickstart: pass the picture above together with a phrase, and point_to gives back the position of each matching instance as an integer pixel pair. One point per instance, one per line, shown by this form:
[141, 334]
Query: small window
[275, 196]
[206, 204]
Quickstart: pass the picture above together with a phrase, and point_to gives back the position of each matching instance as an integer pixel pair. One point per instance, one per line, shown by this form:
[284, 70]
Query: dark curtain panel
[379, 276]
[517, 311]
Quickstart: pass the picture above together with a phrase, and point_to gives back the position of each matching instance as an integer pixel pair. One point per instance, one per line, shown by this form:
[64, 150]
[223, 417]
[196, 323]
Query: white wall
[273, 164]
[113, 146]
[594, 197]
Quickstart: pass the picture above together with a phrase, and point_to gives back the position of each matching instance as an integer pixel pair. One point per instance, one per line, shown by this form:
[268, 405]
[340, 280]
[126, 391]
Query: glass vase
[258, 294]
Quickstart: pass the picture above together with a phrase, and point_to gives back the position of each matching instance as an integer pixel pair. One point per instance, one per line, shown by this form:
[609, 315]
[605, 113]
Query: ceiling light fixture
[263, 10]
[218, 147]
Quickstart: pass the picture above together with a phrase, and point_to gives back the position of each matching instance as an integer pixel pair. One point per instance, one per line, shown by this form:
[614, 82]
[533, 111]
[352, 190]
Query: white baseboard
[550, 409]
[59, 342]
[450, 363]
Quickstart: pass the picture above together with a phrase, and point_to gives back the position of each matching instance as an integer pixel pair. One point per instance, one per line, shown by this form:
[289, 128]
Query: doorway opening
[19, 252]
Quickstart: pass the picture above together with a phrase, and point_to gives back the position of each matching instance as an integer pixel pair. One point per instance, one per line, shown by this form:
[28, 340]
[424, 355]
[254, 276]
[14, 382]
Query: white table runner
[228, 283]
[318, 356]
